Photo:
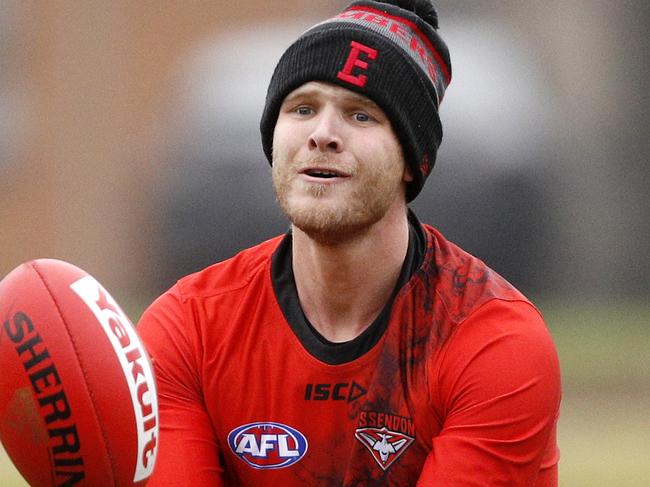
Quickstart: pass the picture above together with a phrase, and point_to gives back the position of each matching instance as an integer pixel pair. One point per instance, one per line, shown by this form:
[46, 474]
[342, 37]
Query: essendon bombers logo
[386, 444]
[355, 62]
[268, 445]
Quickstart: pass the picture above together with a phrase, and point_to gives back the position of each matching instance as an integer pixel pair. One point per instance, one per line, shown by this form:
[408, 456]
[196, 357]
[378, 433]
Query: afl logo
[268, 445]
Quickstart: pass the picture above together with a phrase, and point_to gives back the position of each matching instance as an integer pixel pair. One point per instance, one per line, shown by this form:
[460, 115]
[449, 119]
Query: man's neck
[342, 288]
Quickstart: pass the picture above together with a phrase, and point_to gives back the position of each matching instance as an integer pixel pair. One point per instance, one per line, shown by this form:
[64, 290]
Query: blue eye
[303, 110]
[361, 117]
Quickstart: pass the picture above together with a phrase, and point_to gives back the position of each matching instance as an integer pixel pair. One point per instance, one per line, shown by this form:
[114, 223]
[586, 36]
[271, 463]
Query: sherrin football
[78, 402]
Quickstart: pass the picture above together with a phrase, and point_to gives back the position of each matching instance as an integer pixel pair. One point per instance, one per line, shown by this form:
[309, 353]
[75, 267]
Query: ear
[408, 175]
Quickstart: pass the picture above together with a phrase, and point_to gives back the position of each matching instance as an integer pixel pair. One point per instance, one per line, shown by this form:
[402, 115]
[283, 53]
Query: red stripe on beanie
[415, 29]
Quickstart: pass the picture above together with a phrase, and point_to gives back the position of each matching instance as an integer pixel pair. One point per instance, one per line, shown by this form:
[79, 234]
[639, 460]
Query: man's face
[337, 164]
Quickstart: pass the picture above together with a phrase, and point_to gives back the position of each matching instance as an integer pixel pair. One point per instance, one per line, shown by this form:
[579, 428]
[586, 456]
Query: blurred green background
[129, 146]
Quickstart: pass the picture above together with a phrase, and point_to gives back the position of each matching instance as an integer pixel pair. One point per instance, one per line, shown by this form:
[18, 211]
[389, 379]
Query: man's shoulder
[463, 281]
[231, 274]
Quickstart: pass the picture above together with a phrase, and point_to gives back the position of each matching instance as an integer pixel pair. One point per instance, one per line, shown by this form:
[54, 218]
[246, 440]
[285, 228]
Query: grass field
[604, 431]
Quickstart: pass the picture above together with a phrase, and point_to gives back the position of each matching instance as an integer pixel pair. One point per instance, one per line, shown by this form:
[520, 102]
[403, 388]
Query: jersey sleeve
[188, 453]
[496, 387]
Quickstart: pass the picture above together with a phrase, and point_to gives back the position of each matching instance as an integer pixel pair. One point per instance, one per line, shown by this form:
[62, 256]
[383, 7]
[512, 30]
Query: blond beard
[334, 222]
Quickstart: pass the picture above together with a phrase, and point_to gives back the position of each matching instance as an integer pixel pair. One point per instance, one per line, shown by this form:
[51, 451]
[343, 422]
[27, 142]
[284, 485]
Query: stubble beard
[337, 220]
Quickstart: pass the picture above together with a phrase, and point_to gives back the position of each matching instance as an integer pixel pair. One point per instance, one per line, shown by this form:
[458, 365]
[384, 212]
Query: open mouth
[323, 173]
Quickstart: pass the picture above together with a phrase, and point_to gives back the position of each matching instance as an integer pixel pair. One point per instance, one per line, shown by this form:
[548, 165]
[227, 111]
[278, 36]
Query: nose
[325, 136]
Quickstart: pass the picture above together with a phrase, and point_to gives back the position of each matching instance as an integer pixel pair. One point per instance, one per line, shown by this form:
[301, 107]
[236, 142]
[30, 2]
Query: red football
[78, 402]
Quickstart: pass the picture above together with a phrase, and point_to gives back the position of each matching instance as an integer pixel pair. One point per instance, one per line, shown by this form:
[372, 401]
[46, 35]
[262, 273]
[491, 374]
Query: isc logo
[267, 445]
[342, 391]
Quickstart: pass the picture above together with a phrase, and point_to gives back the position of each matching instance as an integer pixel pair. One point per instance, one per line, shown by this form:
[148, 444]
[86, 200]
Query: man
[362, 348]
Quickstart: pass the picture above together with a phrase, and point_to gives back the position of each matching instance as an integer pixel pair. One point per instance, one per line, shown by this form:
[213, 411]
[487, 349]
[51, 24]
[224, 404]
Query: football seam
[83, 370]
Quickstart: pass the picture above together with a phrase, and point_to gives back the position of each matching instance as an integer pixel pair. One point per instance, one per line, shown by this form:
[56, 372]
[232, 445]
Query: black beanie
[387, 53]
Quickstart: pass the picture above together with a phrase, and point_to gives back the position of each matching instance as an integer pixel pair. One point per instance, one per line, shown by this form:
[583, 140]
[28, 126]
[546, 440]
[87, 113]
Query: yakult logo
[136, 367]
[267, 445]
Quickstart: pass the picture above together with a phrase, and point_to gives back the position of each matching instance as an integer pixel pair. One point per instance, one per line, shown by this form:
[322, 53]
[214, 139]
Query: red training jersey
[460, 386]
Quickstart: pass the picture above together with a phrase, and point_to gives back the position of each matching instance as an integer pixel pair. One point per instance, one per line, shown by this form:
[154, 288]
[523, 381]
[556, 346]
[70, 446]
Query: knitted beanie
[385, 51]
